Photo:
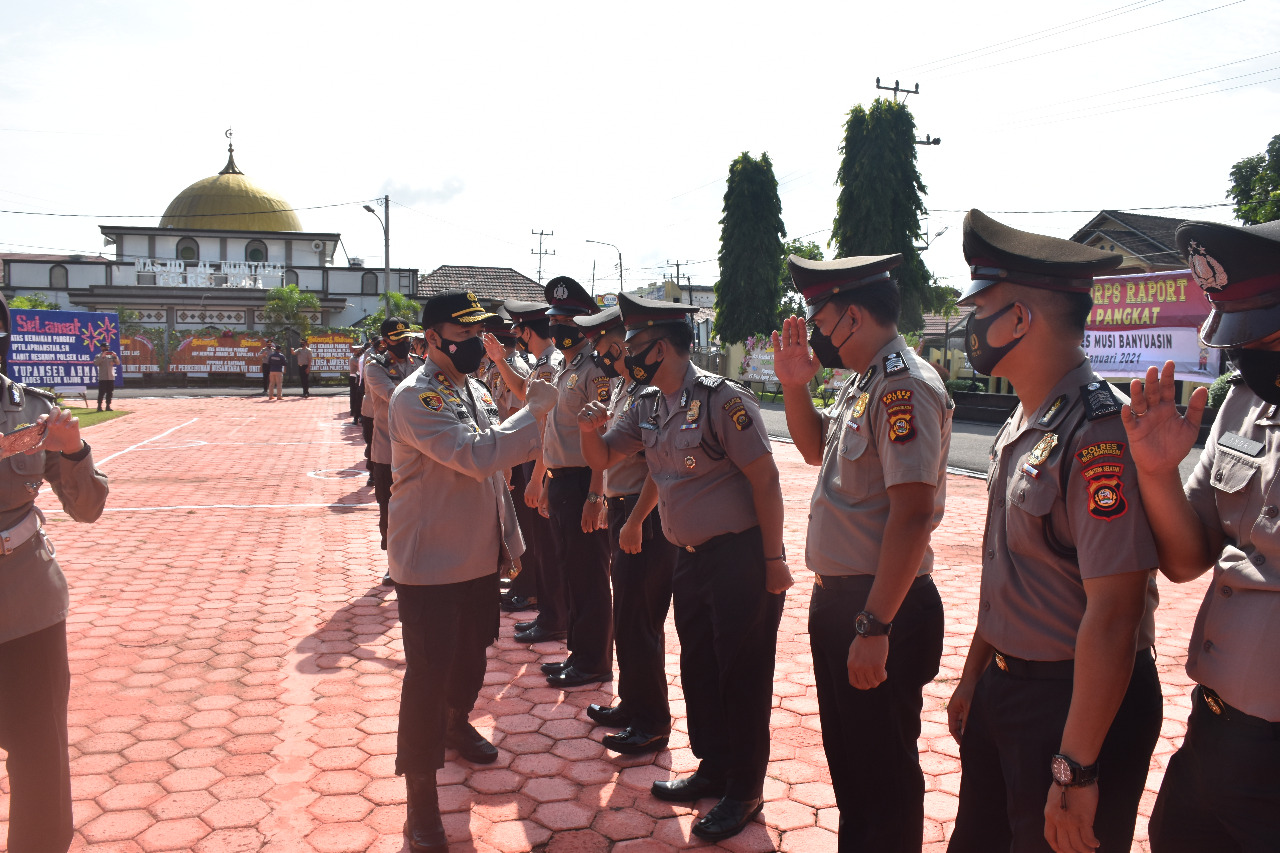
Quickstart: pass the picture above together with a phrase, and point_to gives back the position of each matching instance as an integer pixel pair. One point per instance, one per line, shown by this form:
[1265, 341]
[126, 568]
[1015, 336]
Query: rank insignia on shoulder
[708, 380]
[573, 379]
[443, 380]
[1052, 412]
[542, 361]
[860, 405]
[1099, 401]
[577, 359]
[894, 364]
[866, 378]
[1043, 448]
[15, 394]
[695, 408]
[431, 400]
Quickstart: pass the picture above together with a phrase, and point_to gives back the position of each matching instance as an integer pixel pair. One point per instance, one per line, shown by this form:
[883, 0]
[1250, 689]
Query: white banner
[1128, 354]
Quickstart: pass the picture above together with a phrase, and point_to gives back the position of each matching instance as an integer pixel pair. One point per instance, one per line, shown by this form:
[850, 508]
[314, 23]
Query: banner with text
[330, 354]
[1142, 320]
[230, 352]
[56, 349]
[757, 361]
[1127, 355]
[139, 356]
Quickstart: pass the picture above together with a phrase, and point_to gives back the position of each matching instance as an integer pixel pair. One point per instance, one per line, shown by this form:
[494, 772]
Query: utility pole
[386, 247]
[896, 89]
[540, 253]
[676, 264]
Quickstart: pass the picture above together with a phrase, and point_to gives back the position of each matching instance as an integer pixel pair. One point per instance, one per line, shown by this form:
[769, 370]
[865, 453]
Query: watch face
[1062, 773]
[860, 623]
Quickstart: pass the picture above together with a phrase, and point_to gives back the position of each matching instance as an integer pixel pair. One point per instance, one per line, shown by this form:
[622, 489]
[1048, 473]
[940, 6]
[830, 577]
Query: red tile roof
[484, 282]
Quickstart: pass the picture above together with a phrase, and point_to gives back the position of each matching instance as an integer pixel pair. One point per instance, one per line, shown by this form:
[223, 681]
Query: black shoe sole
[637, 749]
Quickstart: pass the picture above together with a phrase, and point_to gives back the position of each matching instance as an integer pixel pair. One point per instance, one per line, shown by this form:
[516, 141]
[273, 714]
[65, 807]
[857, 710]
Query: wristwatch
[592, 497]
[1070, 774]
[869, 626]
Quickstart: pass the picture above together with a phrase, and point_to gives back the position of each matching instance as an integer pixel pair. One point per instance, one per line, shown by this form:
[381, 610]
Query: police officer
[382, 374]
[1058, 708]
[875, 619]
[573, 494]
[452, 530]
[302, 355]
[35, 678]
[353, 380]
[1220, 790]
[641, 564]
[721, 505]
[104, 364]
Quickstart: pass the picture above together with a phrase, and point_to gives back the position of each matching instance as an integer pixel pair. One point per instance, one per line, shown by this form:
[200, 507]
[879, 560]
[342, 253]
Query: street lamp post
[386, 245]
[619, 251]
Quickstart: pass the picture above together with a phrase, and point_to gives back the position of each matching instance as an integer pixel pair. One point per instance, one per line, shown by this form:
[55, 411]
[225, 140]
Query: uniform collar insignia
[684, 398]
[866, 378]
[577, 359]
[1051, 413]
[631, 389]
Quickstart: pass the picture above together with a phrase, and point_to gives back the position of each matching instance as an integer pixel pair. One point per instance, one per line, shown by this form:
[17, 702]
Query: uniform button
[1226, 591]
[999, 501]
[986, 605]
[1208, 645]
[1270, 512]
[844, 448]
[1022, 494]
[1257, 559]
[991, 555]
[1217, 478]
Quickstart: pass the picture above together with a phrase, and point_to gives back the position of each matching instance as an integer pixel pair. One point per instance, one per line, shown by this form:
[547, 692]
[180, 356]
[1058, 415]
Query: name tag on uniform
[1240, 444]
[647, 425]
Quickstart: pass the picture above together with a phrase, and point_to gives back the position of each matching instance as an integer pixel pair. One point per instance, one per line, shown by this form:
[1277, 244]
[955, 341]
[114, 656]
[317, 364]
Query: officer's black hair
[680, 336]
[1078, 306]
[540, 326]
[880, 299]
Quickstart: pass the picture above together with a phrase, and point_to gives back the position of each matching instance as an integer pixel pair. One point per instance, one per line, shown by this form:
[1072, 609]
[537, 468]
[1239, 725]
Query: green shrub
[1218, 390]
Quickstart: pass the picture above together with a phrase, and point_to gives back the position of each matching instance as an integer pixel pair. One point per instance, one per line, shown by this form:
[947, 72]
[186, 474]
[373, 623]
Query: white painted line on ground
[148, 441]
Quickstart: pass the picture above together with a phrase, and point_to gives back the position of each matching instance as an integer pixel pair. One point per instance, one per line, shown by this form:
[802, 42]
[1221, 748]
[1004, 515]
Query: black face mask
[608, 363]
[522, 344]
[639, 369]
[565, 337]
[982, 355]
[828, 353]
[1260, 370]
[465, 355]
[400, 349]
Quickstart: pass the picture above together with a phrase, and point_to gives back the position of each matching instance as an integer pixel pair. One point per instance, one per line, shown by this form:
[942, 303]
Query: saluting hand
[493, 347]
[61, 432]
[793, 363]
[1159, 437]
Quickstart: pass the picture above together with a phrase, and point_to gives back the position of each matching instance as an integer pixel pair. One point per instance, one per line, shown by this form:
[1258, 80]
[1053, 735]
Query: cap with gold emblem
[997, 253]
[395, 329]
[568, 298]
[818, 281]
[639, 314]
[459, 307]
[1238, 268]
[595, 325]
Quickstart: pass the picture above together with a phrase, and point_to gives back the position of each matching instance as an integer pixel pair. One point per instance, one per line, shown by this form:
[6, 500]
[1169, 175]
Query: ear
[1023, 323]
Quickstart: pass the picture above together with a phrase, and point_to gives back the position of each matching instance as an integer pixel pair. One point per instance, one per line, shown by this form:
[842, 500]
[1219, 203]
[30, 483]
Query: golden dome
[229, 202]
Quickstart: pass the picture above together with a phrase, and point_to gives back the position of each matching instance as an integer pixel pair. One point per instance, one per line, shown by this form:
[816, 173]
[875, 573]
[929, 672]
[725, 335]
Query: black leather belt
[556, 473]
[710, 543]
[619, 500]
[1020, 668]
[1222, 712]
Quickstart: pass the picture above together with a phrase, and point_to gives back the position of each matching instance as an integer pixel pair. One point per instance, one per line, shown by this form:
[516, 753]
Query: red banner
[200, 355]
[1148, 301]
[138, 356]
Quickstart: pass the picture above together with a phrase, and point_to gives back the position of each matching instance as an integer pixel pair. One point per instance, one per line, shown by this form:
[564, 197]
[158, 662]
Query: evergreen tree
[1255, 186]
[751, 233]
[792, 301]
[879, 208]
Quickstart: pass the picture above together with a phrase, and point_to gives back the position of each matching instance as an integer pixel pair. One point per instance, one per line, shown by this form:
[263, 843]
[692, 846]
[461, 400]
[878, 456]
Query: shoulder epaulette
[577, 359]
[649, 391]
[710, 380]
[1236, 378]
[40, 392]
[542, 361]
[379, 358]
[1099, 400]
[894, 364]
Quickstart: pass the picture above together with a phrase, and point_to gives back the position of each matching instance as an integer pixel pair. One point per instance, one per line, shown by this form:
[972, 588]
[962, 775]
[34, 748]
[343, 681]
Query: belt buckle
[1001, 662]
[691, 549]
[818, 580]
[1211, 699]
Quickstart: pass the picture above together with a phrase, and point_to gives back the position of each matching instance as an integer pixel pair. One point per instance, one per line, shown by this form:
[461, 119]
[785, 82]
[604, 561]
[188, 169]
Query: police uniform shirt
[380, 380]
[33, 591]
[1237, 630]
[891, 425]
[105, 365]
[1063, 507]
[696, 443]
[504, 396]
[626, 477]
[548, 363]
[580, 382]
[303, 356]
[451, 518]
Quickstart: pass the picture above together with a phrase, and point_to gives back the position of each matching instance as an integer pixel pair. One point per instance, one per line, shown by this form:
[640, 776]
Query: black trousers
[356, 391]
[728, 627]
[533, 529]
[382, 494]
[1220, 791]
[35, 682]
[1013, 730]
[366, 427]
[106, 388]
[870, 735]
[641, 600]
[584, 560]
[304, 376]
[446, 630]
[266, 377]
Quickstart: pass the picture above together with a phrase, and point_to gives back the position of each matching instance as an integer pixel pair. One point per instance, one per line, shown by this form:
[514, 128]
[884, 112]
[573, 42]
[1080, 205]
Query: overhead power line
[184, 215]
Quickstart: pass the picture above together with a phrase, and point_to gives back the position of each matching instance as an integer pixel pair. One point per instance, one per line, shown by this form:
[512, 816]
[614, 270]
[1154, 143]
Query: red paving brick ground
[236, 666]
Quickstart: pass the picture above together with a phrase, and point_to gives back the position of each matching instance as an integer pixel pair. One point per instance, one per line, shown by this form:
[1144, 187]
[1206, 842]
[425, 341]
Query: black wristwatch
[1071, 774]
[869, 626]
[593, 497]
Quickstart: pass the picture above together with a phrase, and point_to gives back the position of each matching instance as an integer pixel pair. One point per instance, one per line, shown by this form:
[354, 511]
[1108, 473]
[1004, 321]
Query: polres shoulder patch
[1099, 400]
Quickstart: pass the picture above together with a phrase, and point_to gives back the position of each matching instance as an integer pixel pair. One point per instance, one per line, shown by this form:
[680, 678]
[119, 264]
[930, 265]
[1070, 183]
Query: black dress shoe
[516, 603]
[469, 743]
[521, 627]
[571, 676]
[553, 668]
[687, 790]
[538, 634]
[387, 581]
[727, 818]
[423, 827]
[633, 741]
[606, 716]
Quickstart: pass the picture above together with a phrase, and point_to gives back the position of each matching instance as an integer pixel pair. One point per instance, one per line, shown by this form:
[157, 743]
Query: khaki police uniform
[34, 674]
[1063, 507]
[381, 376]
[888, 426]
[582, 557]
[696, 443]
[303, 357]
[105, 366]
[524, 585]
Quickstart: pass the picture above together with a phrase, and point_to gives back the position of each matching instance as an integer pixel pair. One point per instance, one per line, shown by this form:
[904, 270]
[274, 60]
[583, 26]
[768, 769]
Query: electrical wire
[184, 215]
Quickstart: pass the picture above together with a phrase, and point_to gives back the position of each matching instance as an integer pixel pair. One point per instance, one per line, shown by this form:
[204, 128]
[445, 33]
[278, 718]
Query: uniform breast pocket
[1031, 500]
[856, 465]
[1231, 475]
[28, 466]
[691, 456]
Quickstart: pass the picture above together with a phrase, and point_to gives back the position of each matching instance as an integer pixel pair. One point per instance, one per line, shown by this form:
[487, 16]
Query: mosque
[221, 245]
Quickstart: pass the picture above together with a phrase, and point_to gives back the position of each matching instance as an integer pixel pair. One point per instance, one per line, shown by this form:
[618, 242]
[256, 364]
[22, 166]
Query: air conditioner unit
[317, 245]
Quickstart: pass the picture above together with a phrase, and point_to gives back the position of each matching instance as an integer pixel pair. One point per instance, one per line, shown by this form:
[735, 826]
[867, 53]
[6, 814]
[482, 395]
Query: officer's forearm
[803, 422]
[647, 501]
[902, 549]
[980, 652]
[597, 452]
[514, 380]
[1186, 548]
[597, 481]
[766, 495]
[1104, 661]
